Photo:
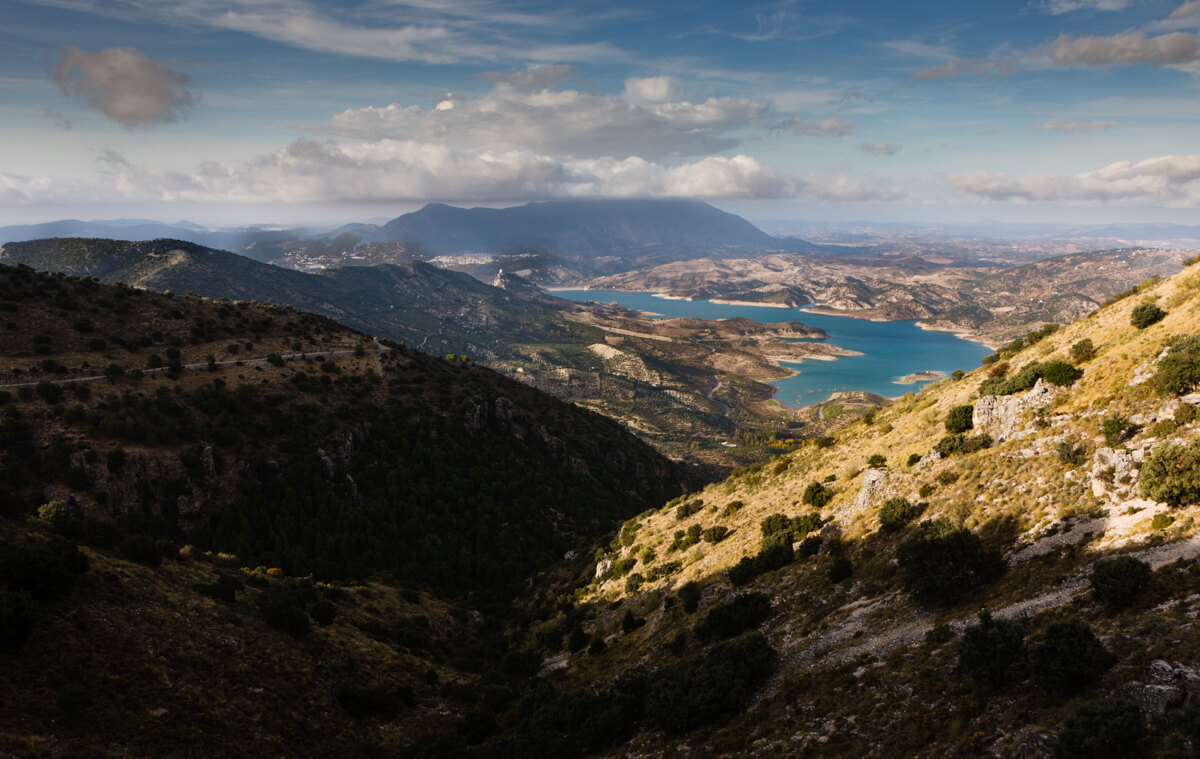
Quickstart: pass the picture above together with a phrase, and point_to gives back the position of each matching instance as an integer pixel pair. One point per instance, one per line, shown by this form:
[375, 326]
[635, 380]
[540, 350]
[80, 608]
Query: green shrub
[817, 495]
[1061, 373]
[735, 616]
[46, 571]
[57, 514]
[631, 622]
[959, 419]
[1185, 414]
[913, 459]
[1146, 314]
[1179, 371]
[1171, 474]
[964, 444]
[1071, 454]
[18, 617]
[925, 490]
[695, 693]
[840, 569]
[810, 546]
[323, 613]
[1114, 428]
[1187, 721]
[688, 508]
[634, 582]
[283, 608]
[1161, 521]
[689, 597]
[715, 534]
[989, 648]
[896, 513]
[1103, 728]
[941, 563]
[1068, 656]
[1084, 350]
[142, 549]
[1119, 581]
[877, 461]
[940, 634]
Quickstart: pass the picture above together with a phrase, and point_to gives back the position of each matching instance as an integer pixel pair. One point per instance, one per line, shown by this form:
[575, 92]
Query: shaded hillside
[441, 311]
[291, 441]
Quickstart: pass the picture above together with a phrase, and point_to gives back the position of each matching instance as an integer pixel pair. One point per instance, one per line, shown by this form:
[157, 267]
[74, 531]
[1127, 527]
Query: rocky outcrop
[1163, 687]
[874, 487]
[1116, 471]
[1001, 416]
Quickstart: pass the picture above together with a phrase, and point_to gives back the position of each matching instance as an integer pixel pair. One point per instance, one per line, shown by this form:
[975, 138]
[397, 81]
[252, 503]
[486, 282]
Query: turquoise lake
[890, 350]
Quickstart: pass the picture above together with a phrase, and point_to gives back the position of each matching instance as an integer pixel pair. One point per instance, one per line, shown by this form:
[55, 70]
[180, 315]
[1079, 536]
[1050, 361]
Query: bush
[283, 609]
[841, 568]
[1068, 656]
[1185, 414]
[634, 582]
[1161, 521]
[1084, 350]
[1061, 373]
[323, 613]
[1071, 453]
[942, 563]
[1118, 582]
[1179, 371]
[46, 571]
[57, 514]
[18, 617]
[810, 546]
[1171, 474]
[142, 549]
[1114, 428]
[742, 612]
[896, 513]
[629, 622]
[689, 597]
[1145, 315]
[913, 458]
[964, 444]
[1187, 721]
[695, 693]
[817, 495]
[715, 534]
[959, 420]
[685, 510]
[989, 648]
[877, 461]
[1103, 728]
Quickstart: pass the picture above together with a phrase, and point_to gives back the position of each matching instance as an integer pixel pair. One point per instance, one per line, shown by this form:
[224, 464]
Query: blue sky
[236, 111]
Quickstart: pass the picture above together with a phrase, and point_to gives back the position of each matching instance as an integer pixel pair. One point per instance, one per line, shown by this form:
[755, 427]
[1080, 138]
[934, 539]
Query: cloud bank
[125, 85]
[1127, 48]
[1061, 125]
[1170, 180]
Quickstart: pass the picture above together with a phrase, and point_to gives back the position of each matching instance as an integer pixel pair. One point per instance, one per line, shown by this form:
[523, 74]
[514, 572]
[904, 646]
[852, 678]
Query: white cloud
[433, 32]
[652, 89]
[840, 187]
[1164, 180]
[125, 85]
[308, 171]
[1059, 7]
[958, 67]
[880, 148]
[1061, 125]
[1129, 47]
[569, 122]
[830, 127]
[1187, 10]
[531, 79]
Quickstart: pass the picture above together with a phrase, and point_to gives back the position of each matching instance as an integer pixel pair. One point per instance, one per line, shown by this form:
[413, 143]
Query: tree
[1111, 729]
[989, 648]
[897, 512]
[1068, 656]
[1145, 315]
[1118, 581]
[817, 495]
[1179, 371]
[1171, 474]
[959, 419]
[942, 564]
[1084, 350]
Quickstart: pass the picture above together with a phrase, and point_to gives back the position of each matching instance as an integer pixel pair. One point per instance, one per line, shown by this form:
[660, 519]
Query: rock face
[1115, 471]
[1000, 415]
[874, 486]
[1163, 687]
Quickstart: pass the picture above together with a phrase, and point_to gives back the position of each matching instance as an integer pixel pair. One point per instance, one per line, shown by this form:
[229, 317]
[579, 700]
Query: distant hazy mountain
[665, 229]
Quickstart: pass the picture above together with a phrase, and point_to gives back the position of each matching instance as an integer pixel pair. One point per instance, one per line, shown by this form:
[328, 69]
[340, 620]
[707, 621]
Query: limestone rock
[1001, 415]
[1163, 687]
[1115, 471]
[874, 485]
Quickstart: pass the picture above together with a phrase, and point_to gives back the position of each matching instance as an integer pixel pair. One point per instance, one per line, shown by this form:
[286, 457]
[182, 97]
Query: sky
[294, 111]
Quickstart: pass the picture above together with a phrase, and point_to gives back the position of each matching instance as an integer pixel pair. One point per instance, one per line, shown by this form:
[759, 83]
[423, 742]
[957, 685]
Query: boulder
[1163, 687]
[874, 485]
[1001, 416]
